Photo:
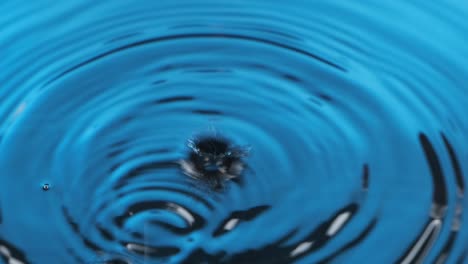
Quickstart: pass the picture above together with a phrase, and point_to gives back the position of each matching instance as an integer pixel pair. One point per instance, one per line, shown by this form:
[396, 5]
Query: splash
[214, 160]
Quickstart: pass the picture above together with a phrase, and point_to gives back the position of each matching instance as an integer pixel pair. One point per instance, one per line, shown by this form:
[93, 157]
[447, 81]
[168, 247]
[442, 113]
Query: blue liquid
[353, 114]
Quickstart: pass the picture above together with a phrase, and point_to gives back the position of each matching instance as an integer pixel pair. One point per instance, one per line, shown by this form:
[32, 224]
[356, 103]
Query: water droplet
[45, 187]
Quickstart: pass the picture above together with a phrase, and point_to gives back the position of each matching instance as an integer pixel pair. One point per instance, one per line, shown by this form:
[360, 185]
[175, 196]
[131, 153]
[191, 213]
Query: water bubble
[45, 187]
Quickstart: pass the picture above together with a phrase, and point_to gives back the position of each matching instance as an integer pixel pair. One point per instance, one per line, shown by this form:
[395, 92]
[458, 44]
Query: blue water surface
[345, 127]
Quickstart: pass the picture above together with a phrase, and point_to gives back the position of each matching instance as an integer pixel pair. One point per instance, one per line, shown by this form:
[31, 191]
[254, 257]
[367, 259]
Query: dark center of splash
[214, 160]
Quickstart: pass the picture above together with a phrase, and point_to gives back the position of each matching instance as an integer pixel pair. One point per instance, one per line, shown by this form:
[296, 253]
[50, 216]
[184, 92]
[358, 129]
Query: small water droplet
[45, 187]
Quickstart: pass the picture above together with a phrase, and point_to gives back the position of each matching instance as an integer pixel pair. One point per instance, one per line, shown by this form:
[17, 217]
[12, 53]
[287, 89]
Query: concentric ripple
[352, 114]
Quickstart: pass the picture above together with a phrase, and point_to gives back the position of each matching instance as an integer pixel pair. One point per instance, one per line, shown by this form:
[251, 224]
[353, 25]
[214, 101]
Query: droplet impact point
[214, 159]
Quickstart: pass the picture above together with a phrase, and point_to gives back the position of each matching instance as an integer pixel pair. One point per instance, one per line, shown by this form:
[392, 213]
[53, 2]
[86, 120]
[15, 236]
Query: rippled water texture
[236, 132]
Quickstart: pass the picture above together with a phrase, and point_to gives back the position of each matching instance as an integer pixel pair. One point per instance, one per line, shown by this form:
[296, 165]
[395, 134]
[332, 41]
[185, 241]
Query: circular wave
[354, 126]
